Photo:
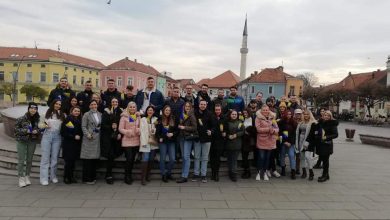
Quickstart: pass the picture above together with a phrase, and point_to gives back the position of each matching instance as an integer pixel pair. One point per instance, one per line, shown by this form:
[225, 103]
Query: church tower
[244, 51]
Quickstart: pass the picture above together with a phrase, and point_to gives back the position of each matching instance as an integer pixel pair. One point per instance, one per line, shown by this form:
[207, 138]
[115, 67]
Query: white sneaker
[258, 176]
[276, 174]
[268, 173]
[55, 180]
[44, 183]
[27, 180]
[22, 183]
[266, 177]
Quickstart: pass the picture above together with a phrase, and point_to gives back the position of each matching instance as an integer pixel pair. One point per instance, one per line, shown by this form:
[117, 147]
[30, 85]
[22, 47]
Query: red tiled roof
[33, 54]
[353, 81]
[224, 80]
[270, 75]
[126, 64]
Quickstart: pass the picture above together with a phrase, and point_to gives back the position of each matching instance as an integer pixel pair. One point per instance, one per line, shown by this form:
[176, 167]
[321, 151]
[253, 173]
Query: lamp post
[15, 76]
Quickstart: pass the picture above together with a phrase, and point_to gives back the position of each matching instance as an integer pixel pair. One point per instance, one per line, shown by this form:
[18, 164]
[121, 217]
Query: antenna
[35, 44]
[58, 47]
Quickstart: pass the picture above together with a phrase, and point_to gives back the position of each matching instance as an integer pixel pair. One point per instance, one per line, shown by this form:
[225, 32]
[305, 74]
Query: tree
[7, 88]
[34, 91]
[309, 79]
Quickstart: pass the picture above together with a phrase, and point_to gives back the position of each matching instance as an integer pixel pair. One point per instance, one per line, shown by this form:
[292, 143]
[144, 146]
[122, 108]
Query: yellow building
[294, 86]
[44, 68]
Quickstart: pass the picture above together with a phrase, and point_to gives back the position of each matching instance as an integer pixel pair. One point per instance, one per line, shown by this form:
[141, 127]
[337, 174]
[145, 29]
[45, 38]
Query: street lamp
[14, 80]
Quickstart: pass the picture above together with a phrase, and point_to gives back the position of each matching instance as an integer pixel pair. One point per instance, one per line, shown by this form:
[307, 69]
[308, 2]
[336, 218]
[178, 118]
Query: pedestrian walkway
[359, 188]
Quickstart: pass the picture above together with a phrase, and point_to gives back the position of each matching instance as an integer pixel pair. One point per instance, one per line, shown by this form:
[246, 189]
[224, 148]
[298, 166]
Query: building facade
[223, 81]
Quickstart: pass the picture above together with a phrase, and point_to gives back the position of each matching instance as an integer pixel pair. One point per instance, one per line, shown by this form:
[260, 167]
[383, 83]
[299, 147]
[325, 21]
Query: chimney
[126, 58]
[349, 74]
[135, 60]
[256, 72]
[388, 71]
[280, 68]
[373, 75]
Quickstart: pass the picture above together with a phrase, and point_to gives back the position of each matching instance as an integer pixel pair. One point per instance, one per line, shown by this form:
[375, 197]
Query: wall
[138, 79]
[297, 83]
[248, 93]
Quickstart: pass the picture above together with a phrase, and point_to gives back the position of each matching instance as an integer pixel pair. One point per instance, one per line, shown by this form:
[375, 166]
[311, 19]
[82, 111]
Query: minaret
[388, 71]
[244, 51]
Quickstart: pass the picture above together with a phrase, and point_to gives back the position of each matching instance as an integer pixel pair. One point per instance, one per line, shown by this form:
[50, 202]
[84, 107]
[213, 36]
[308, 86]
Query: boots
[318, 165]
[147, 177]
[128, 178]
[144, 171]
[293, 174]
[212, 174]
[323, 178]
[233, 176]
[311, 174]
[246, 174]
[283, 173]
[304, 174]
[216, 176]
[298, 166]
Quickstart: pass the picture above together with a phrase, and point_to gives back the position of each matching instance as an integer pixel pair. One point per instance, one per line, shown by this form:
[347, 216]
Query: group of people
[90, 125]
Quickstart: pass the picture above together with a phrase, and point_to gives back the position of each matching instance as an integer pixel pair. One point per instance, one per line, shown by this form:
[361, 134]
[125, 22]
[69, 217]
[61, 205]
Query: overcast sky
[202, 38]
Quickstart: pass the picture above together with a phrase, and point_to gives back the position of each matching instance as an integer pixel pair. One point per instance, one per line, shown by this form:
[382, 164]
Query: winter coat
[267, 129]
[65, 95]
[305, 145]
[130, 130]
[329, 132]
[314, 137]
[287, 132]
[83, 100]
[218, 141]
[249, 137]
[205, 122]
[176, 107]
[146, 128]
[109, 144]
[106, 97]
[156, 99]
[161, 132]
[235, 103]
[190, 132]
[90, 148]
[202, 96]
[70, 146]
[24, 127]
[127, 100]
[234, 127]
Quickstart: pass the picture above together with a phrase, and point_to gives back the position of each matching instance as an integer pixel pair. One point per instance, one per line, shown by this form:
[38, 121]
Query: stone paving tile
[90, 195]
[375, 205]
[295, 205]
[195, 204]
[128, 212]
[280, 214]
[250, 205]
[74, 212]
[264, 197]
[349, 198]
[340, 205]
[230, 213]
[156, 204]
[76, 188]
[240, 189]
[108, 203]
[43, 195]
[308, 198]
[135, 195]
[222, 196]
[16, 202]
[58, 203]
[101, 218]
[280, 191]
[117, 188]
[23, 211]
[178, 196]
[330, 214]
[180, 213]
[371, 214]
[37, 218]
[10, 194]
[379, 198]
[8, 218]
[200, 189]
[159, 189]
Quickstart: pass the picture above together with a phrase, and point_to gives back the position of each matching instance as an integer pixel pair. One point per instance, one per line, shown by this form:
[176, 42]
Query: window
[15, 76]
[1, 96]
[82, 80]
[97, 82]
[82, 71]
[43, 77]
[66, 68]
[74, 69]
[1, 64]
[292, 90]
[97, 73]
[90, 72]
[29, 77]
[74, 80]
[43, 65]
[56, 77]
[252, 89]
[107, 78]
[119, 81]
[15, 64]
[1, 76]
[129, 81]
[29, 65]
[270, 89]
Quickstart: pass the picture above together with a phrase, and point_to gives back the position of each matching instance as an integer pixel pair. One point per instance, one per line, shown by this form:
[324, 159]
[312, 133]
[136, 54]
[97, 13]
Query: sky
[202, 38]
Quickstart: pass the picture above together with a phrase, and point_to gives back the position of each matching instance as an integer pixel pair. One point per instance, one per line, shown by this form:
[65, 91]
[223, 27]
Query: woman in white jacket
[148, 143]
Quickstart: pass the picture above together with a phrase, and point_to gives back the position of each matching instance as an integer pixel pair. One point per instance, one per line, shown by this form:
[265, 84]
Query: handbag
[151, 139]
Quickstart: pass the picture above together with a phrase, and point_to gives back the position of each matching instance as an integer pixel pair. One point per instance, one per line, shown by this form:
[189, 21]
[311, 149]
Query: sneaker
[275, 174]
[27, 180]
[182, 180]
[268, 173]
[204, 179]
[266, 177]
[44, 183]
[22, 182]
[258, 176]
[91, 183]
[195, 178]
[55, 180]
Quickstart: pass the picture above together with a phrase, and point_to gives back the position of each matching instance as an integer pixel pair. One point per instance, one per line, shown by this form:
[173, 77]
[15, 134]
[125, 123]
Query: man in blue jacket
[149, 96]
[234, 101]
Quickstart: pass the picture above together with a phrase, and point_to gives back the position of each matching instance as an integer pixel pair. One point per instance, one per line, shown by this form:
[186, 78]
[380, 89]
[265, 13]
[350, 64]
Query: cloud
[202, 38]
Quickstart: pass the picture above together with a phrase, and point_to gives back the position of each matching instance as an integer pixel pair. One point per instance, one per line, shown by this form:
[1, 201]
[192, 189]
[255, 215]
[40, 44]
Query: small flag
[165, 129]
[200, 122]
[132, 118]
[69, 125]
[221, 127]
[239, 125]
[30, 128]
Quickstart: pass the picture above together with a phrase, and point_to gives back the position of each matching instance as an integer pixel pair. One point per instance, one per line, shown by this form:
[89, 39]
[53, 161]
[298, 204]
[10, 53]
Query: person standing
[111, 92]
[287, 130]
[234, 101]
[166, 133]
[203, 95]
[51, 142]
[311, 142]
[26, 134]
[259, 99]
[110, 140]
[217, 142]
[188, 133]
[219, 100]
[205, 126]
[148, 143]
[62, 92]
[149, 96]
[189, 97]
[129, 126]
[71, 144]
[129, 96]
[90, 147]
[266, 139]
[84, 97]
[234, 130]
[72, 103]
[248, 142]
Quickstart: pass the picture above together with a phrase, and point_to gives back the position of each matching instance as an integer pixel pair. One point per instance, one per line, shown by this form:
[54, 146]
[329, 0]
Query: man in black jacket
[84, 97]
[203, 95]
[217, 143]
[62, 92]
[110, 93]
[189, 97]
[129, 96]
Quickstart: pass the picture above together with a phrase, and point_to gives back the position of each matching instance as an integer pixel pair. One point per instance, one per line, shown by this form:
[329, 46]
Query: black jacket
[325, 147]
[106, 97]
[127, 100]
[83, 99]
[65, 95]
[70, 146]
[109, 144]
[200, 97]
[218, 141]
[250, 136]
[287, 131]
[161, 132]
[205, 122]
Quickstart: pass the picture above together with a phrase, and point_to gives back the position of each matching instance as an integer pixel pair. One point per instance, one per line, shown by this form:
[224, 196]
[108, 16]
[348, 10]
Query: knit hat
[282, 104]
[298, 111]
[32, 105]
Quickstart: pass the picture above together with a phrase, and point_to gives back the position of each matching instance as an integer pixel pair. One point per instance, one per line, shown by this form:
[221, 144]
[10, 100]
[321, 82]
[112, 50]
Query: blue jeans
[201, 151]
[167, 148]
[232, 156]
[147, 156]
[187, 148]
[263, 159]
[291, 156]
[50, 147]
